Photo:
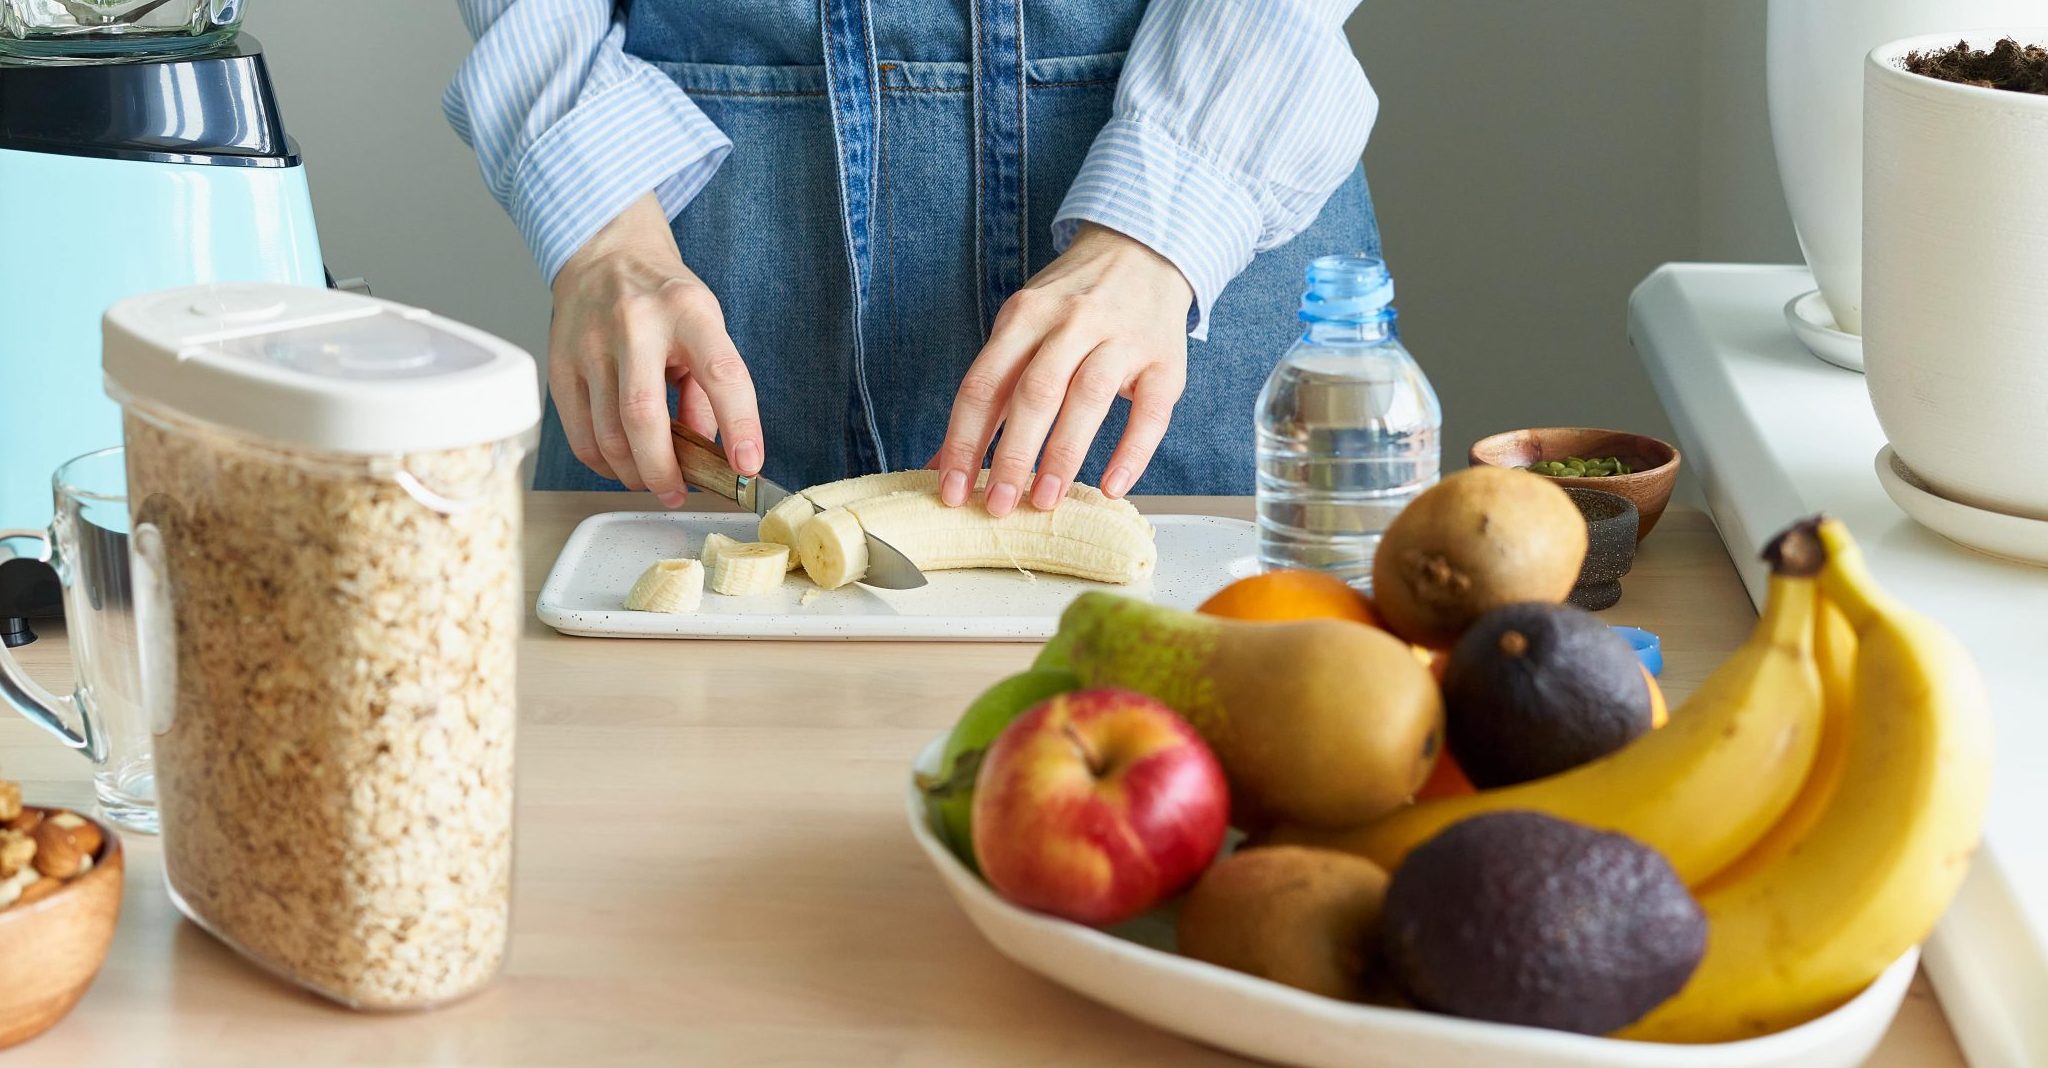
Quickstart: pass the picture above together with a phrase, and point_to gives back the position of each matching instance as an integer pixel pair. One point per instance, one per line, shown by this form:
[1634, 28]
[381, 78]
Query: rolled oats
[333, 696]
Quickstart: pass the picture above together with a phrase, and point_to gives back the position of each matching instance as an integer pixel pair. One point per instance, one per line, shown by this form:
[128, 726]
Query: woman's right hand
[630, 318]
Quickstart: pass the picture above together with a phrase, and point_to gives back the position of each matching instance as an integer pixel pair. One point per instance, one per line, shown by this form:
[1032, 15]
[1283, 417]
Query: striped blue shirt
[1234, 121]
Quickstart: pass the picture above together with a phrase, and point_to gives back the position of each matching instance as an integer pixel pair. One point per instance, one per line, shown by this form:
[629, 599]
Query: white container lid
[318, 368]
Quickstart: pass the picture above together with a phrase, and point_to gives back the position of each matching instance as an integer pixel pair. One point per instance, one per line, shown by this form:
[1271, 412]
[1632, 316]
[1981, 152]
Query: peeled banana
[1796, 937]
[1701, 790]
[668, 586]
[745, 568]
[1087, 535]
[786, 520]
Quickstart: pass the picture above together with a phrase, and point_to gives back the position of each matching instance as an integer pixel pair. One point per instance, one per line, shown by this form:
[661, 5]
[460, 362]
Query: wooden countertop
[713, 868]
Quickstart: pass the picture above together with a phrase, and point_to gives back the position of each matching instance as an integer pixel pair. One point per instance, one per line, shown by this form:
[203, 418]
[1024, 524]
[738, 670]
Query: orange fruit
[1281, 596]
[1659, 713]
[1447, 779]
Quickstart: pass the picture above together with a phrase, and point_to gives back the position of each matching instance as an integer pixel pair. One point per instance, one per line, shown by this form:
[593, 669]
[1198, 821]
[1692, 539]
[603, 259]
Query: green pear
[949, 795]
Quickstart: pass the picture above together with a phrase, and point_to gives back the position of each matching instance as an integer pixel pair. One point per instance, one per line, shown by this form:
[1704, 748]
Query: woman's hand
[630, 319]
[1108, 318]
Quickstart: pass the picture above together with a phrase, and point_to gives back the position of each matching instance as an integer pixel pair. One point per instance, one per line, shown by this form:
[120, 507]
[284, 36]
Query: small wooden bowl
[51, 949]
[1648, 486]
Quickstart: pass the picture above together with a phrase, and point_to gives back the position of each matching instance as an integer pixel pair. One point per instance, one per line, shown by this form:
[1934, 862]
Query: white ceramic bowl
[1135, 971]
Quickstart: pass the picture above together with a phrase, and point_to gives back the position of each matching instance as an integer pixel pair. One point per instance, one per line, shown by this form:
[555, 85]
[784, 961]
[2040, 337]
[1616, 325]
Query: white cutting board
[1197, 556]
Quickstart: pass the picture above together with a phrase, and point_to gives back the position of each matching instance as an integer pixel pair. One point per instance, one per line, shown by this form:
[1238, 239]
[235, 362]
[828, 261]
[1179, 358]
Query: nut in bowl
[60, 879]
[1651, 464]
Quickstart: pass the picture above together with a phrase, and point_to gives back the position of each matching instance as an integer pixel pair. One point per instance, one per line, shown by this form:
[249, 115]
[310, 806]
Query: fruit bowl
[1649, 485]
[1133, 969]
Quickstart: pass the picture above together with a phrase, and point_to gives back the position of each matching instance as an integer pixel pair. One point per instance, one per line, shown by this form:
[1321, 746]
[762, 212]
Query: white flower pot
[1956, 277]
[1815, 59]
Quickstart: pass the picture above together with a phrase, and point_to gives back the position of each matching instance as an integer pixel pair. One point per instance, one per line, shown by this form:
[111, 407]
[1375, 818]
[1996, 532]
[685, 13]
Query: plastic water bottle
[1348, 427]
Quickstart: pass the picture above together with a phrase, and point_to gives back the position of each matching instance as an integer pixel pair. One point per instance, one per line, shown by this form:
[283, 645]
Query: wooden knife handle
[704, 463]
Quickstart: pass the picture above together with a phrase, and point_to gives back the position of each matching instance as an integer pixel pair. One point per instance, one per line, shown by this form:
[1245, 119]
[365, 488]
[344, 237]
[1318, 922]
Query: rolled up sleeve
[569, 129]
[1234, 122]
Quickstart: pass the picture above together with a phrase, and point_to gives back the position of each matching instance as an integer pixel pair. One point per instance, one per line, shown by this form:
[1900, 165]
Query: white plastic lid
[319, 368]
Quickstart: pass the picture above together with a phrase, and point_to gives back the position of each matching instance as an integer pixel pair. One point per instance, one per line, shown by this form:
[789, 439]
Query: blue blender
[131, 159]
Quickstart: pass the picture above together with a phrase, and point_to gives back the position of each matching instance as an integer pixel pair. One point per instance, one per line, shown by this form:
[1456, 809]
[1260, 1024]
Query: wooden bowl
[1648, 486]
[51, 949]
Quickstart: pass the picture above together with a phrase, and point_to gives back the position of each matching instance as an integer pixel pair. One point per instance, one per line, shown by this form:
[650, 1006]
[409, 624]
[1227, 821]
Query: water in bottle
[1348, 427]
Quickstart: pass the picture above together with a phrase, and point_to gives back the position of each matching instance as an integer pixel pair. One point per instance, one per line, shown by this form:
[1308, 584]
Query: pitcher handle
[41, 707]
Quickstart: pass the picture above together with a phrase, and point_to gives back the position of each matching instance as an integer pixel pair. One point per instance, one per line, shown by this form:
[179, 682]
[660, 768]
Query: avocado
[1534, 689]
[1524, 918]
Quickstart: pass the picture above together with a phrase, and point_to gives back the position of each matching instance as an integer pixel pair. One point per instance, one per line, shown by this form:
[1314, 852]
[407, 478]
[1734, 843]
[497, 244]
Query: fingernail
[1045, 494]
[748, 454]
[673, 499]
[1001, 498]
[953, 489]
[1117, 482]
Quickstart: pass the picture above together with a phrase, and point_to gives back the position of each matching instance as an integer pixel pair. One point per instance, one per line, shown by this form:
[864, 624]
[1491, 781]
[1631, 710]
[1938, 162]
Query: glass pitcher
[103, 717]
[87, 29]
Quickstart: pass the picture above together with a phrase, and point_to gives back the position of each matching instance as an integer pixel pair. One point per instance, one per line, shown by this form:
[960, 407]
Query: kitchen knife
[704, 466]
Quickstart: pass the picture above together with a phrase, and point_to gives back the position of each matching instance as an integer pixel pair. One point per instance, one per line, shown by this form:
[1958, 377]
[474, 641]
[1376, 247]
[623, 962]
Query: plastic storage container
[325, 495]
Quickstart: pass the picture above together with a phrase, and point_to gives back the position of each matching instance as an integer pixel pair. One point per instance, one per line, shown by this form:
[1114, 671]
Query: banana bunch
[1876, 844]
[1821, 793]
[1088, 535]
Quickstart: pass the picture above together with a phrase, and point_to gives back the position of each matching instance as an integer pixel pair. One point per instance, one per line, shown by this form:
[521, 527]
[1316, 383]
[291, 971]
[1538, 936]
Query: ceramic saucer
[1814, 325]
[2009, 537]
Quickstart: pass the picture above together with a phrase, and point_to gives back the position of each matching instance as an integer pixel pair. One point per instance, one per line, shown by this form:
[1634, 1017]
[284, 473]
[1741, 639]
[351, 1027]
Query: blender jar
[326, 516]
[57, 29]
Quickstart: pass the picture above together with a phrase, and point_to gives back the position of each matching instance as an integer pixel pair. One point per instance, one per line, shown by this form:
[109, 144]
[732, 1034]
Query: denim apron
[895, 170]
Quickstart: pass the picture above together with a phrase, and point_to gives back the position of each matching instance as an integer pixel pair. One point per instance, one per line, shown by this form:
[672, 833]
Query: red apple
[1098, 805]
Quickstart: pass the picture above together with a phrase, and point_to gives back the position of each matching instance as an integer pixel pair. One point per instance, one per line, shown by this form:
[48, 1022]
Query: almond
[26, 821]
[85, 831]
[57, 853]
[16, 850]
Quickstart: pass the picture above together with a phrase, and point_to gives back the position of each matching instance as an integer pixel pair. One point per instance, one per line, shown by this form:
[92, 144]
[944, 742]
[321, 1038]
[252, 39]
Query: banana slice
[715, 543]
[782, 522]
[668, 586]
[1081, 537]
[742, 569]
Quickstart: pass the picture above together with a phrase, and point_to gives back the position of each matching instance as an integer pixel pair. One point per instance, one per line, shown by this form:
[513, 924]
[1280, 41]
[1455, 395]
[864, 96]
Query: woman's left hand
[1108, 318]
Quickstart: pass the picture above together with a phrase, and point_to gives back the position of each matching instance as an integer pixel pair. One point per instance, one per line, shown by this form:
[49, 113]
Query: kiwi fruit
[1482, 538]
[1524, 918]
[1535, 689]
[1308, 918]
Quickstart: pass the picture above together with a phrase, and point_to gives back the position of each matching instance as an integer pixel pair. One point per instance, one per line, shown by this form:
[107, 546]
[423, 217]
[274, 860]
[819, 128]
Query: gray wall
[1534, 159]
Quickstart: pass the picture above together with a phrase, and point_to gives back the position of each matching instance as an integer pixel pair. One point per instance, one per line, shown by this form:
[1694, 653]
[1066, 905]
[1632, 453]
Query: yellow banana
[1834, 648]
[1807, 932]
[1702, 789]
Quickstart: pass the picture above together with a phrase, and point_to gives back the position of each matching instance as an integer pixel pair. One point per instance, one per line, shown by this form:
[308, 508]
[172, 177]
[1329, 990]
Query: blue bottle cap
[1348, 288]
[1649, 648]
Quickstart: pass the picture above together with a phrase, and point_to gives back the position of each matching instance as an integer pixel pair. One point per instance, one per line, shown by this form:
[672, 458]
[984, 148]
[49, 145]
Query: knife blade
[704, 466]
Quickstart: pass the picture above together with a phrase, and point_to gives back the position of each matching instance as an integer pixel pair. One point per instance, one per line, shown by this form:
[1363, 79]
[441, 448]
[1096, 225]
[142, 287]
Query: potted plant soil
[1956, 262]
